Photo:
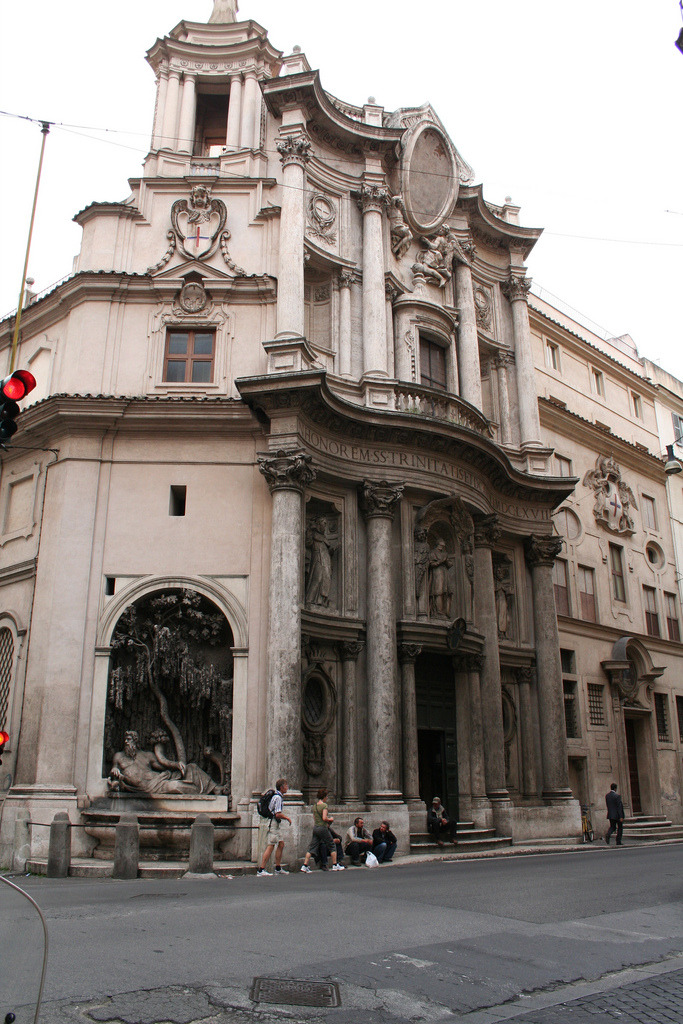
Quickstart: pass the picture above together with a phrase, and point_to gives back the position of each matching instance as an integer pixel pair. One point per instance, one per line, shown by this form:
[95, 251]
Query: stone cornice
[484, 223]
[309, 394]
[305, 90]
[217, 44]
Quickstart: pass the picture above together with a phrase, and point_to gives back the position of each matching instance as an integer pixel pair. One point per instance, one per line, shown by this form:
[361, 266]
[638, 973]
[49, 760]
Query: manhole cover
[295, 993]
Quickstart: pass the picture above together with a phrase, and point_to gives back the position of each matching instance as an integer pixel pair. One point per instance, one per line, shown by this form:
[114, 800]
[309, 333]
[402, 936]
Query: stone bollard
[126, 847]
[59, 854]
[201, 846]
[22, 840]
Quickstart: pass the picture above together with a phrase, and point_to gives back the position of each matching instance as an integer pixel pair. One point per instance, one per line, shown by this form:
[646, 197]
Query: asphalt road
[470, 940]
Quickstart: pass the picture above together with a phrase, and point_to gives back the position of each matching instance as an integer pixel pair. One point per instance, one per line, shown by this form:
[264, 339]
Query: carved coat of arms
[198, 222]
[614, 499]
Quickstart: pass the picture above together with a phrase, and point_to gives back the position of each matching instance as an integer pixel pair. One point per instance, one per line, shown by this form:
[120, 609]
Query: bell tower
[209, 106]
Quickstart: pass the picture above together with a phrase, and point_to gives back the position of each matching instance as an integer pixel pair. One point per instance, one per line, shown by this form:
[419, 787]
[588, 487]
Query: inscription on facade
[372, 455]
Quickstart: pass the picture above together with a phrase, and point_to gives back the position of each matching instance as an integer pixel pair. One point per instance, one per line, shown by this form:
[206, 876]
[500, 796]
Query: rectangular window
[432, 364]
[571, 719]
[211, 124]
[679, 709]
[651, 614]
[561, 582]
[587, 593]
[662, 716]
[568, 661]
[552, 356]
[188, 358]
[678, 427]
[596, 704]
[637, 405]
[649, 513]
[177, 500]
[672, 625]
[617, 569]
[563, 466]
[598, 383]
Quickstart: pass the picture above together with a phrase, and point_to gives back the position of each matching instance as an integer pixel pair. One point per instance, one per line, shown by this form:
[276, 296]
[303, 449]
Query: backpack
[263, 805]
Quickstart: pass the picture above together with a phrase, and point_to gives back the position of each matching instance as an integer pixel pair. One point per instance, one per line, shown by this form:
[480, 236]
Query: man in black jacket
[439, 824]
[615, 814]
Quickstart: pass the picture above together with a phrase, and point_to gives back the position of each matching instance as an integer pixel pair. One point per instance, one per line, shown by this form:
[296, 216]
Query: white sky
[572, 109]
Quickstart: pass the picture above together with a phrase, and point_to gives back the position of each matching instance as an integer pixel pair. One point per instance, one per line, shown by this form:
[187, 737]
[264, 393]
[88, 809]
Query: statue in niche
[440, 589]
[143, 771]
[224, 11]
[502, 591]
[422, 571]
[401, 235]
[319, 550]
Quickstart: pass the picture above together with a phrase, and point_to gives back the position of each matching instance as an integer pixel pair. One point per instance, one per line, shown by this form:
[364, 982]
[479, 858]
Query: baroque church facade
[293, 505]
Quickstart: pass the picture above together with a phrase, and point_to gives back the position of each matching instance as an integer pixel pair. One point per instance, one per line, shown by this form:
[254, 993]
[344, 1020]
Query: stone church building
[292, 505]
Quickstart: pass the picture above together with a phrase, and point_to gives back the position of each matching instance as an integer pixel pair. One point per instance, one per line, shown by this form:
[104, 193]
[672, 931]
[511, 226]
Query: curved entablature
[224, 42]
[422, 442]
[493, 229]
[305, 89]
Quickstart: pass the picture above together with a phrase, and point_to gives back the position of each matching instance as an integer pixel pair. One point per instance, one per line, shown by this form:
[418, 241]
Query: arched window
[6, 666]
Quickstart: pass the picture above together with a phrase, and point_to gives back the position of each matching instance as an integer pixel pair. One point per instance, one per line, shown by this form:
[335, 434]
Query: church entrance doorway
[436, 731]
[632, 756]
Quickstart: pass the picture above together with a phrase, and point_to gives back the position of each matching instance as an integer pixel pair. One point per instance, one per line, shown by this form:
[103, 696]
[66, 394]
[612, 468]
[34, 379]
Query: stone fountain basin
[165, 824]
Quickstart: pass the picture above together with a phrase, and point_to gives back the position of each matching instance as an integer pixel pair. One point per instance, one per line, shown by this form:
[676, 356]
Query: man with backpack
[270, 806]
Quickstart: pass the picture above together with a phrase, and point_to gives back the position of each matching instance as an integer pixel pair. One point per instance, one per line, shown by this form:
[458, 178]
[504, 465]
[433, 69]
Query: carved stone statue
[436, 260]
[141, 771]
[422, 571]
[401, 235]
[224, 11]
[440, 590]
[502, 600]
[319, 550]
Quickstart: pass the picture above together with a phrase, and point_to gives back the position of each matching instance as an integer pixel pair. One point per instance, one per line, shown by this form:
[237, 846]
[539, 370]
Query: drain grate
[295, 993]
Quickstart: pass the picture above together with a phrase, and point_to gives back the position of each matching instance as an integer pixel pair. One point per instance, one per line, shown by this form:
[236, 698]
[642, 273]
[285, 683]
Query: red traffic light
[17, 385]
[4, 738]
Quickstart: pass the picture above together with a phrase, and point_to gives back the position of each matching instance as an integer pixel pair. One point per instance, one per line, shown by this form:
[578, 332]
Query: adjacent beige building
[290, 506]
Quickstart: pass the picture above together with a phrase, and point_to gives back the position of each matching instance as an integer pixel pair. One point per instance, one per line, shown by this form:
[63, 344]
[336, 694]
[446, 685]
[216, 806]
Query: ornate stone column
[378, 503]
[287, 474]
[232, 139]
[468, 338]
[160, 109]
[390, 294]
[349, 651]
[475, 663]
[407, 656]
[541, 552]
[529, 783]
[373, 200]
[516, 290]
[252, 95]
[168, 128]
[187, 114]
[294, 153]
[502, 361]
[486, 534]
[345, 282]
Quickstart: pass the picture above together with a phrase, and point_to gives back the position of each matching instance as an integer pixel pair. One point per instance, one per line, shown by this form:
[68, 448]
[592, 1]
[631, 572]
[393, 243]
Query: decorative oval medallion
[429, 172]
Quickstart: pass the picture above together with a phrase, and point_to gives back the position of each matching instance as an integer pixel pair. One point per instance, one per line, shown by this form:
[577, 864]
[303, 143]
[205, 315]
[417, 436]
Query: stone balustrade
[419, 401]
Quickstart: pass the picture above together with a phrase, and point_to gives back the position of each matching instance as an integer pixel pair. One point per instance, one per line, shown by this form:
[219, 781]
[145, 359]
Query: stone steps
[651, 828]
[90, 867]
[470, 839]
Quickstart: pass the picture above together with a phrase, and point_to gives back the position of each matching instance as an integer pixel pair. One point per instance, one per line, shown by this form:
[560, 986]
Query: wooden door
[632, 754]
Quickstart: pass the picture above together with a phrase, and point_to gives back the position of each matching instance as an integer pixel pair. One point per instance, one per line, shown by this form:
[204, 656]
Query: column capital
[346, 278]
[349, 650]
[287, 471]
[379, 500]
[294, 149]
[542, 550]
[465, 251]
[409, 653]
[523, 674]
[475, 662]
[486, 531]
[503, 358]
[391, 292]
[516, 288]
[373, 198]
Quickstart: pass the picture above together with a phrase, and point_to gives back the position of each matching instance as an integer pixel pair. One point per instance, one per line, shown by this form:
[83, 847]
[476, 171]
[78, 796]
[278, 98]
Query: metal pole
[45, 132]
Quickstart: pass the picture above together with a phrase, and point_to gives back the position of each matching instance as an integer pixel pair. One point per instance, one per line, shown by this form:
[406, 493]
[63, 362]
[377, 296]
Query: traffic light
[4, 740]
[12, 389]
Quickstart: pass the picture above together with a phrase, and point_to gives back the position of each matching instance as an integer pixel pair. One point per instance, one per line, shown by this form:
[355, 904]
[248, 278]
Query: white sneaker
[262, 873]
[338, 867]
[305, 868]
[281, 871]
